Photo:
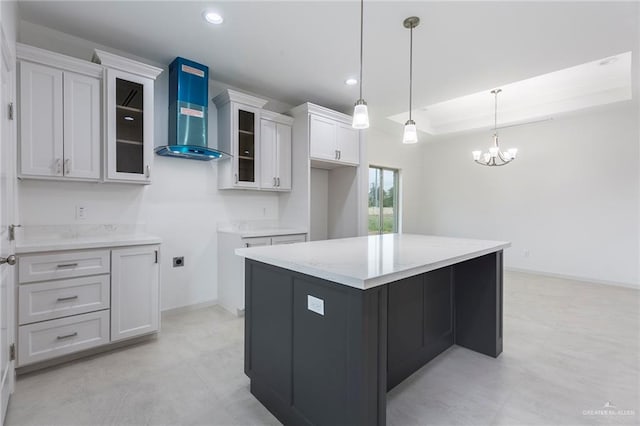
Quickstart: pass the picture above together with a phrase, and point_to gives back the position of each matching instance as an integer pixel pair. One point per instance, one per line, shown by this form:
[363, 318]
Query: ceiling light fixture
[351, 82]
[360, 111]
[213, 18]
[495, 157]
[410, 132]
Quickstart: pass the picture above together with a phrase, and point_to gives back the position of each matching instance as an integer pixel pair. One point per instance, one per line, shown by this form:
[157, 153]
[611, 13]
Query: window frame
[396, 199]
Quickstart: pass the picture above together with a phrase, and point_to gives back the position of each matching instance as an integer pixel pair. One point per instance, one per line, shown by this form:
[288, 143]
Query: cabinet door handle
[67, 265]
[339, 155]
[67, 166]
[148, 172]
[58, 166]
[235, 176]
[278, 182]
[64, 299]
[66, 336]
[274, 181]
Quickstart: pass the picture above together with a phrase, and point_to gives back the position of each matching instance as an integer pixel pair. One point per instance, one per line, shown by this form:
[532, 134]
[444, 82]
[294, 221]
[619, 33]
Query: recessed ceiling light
[351, 82]
[608, 61]
[213, 18]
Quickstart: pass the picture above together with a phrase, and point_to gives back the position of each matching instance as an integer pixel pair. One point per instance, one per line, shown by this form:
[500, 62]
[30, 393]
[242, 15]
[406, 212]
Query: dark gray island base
[336, 368]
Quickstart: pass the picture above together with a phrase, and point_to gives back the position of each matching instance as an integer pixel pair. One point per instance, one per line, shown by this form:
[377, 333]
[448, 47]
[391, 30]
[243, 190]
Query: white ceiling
[595, 83]
[299, 51]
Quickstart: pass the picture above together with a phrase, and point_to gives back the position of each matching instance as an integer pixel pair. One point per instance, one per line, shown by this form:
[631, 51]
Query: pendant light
[360, 112]
[495, 157]
[410, 133]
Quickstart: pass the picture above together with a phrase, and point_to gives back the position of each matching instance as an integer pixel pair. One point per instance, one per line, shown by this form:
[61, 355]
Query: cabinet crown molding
[234, 96]
[278, 118]
[125, 64]
[309, 108]
[24, 52]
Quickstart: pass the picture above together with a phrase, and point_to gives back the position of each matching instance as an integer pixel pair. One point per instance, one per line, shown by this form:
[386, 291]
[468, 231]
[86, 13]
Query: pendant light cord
[361, 42]
[410, 67]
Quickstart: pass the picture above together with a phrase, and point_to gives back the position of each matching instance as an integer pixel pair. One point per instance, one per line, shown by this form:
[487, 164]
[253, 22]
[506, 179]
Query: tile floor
[569, 348]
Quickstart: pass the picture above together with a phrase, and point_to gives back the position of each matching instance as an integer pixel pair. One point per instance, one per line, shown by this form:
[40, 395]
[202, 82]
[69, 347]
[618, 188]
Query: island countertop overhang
[374, 260]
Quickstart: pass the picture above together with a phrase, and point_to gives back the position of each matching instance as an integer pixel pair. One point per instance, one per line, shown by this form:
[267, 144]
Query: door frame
[8, 64]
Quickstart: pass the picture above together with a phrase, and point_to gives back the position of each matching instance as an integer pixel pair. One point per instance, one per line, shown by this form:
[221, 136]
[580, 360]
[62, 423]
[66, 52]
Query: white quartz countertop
[262, 232]
[366, 262]
[50, 243]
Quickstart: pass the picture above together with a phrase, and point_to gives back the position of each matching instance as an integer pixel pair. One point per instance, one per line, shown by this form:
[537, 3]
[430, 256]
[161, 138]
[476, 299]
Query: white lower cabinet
[48, 339]
[135, 294]
[73, 300]
[231, 266]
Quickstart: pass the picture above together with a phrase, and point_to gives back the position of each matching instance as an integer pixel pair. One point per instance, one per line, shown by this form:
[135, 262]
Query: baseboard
[574, 278]
[189, 308]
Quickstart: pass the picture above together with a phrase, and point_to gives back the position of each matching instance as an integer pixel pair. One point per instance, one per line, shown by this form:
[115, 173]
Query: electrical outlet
[81, 212]
[178, 262]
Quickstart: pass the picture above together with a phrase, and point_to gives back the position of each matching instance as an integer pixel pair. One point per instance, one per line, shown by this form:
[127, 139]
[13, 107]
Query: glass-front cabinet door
[247, 137]
[129, 127]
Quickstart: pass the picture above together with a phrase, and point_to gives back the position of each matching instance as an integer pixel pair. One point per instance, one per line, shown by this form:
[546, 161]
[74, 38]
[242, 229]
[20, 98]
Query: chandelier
[495, 157]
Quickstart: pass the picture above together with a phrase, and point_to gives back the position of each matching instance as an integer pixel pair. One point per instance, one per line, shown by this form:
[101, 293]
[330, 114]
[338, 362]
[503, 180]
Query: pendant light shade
[410, 132]
[360, 115]
[360, 111]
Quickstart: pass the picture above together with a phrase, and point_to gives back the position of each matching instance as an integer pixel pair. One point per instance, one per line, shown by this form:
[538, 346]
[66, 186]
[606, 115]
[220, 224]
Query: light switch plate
[315, 305]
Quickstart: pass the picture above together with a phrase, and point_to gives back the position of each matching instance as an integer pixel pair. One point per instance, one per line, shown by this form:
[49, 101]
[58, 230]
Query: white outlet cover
[315, 305]
[81, 212]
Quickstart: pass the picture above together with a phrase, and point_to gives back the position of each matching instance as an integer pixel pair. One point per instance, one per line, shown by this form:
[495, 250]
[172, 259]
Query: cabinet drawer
[288, 239]
[256, 241]
[56, 299]
[44, 267]
[49, 339]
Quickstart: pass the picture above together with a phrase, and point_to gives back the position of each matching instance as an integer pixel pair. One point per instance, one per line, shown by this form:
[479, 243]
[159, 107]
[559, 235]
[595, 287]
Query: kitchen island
[332, 325]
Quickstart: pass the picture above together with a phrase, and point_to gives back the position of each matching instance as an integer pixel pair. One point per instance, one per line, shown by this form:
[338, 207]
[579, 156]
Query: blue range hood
[188, 113]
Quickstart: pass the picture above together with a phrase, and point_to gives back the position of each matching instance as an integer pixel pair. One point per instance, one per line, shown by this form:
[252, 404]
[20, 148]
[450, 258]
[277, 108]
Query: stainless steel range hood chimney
[188, 113]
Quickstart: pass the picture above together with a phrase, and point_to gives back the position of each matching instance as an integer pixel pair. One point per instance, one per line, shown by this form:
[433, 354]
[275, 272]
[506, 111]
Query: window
[383, 200]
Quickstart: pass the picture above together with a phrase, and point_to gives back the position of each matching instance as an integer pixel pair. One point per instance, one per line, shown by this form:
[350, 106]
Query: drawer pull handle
[66, 336]
[64, 299]
[68, 265]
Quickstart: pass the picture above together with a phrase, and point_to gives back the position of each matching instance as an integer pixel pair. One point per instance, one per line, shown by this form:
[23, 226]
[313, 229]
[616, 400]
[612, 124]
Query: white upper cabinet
[347, 144]
[239, 130]
[332, 140]
[129, 118]
[268, 146]
[283, 156]
[275, 147]
[41, 137]
[81, 126]
[59, 116]
[322, 138]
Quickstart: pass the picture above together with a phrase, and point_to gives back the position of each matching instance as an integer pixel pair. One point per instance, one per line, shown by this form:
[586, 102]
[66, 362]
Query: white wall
[570, 200]
[182, 206]
[387, 150]
[318, 202]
